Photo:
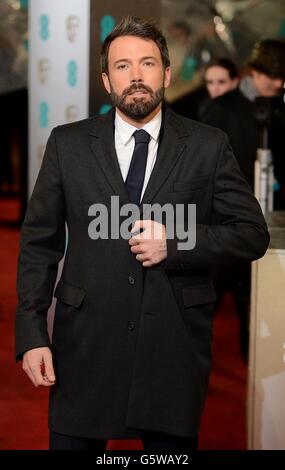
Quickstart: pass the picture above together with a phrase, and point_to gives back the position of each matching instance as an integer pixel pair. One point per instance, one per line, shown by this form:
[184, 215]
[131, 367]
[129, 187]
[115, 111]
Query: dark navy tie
[135, 178]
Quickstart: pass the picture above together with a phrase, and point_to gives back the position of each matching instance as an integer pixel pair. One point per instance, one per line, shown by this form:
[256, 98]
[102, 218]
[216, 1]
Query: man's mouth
[138, 92]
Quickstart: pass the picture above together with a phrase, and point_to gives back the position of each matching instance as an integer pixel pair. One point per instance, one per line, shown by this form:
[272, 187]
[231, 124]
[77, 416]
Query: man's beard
[139, 108]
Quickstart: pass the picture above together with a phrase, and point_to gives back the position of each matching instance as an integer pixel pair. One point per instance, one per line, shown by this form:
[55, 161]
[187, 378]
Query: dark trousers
[151, 440]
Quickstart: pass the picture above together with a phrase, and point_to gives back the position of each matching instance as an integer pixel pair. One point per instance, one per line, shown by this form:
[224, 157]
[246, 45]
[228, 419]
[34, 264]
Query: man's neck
[143, 121]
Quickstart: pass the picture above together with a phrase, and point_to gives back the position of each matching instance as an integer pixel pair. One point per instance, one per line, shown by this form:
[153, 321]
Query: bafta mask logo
[44, 67]
[72, 27]
[44, 30]
[44, 114]
[71, 113]
[72, 70]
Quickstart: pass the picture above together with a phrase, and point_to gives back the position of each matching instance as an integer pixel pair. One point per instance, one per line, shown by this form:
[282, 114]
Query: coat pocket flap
[198, 295]
[69, 294]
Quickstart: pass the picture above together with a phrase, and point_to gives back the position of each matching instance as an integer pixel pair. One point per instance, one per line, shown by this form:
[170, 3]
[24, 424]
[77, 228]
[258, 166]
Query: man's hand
[150, 245]
[37, 363]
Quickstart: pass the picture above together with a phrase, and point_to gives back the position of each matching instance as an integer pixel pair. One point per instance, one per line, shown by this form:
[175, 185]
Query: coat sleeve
[42, 245]
[238, 231]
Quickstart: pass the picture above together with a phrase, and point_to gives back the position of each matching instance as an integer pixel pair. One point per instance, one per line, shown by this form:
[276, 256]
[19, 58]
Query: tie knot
[141, 137]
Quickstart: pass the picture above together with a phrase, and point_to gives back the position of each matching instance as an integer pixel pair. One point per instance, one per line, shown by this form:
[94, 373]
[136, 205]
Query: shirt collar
[126, 130]
[248, 88]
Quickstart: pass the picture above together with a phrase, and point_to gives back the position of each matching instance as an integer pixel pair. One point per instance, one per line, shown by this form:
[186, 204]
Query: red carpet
[23, 408]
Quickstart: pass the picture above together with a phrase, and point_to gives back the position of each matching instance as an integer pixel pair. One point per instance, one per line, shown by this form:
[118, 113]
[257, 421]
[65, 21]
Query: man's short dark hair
[268, 57]
[133, 26]
[226, 64]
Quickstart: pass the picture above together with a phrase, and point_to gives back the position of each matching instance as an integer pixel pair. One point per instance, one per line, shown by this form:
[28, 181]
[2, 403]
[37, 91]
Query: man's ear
[167, 77]
[106, 82]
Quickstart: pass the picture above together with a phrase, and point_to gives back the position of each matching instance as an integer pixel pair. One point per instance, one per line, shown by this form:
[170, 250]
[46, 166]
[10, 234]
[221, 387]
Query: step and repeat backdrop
[58, 78]
[59, 45]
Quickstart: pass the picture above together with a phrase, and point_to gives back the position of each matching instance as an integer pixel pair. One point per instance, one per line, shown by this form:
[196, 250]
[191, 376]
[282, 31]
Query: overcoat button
[131, 325]
[132, 280]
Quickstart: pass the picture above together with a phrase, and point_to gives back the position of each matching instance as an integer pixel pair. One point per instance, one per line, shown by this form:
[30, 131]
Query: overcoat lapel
[103, 146]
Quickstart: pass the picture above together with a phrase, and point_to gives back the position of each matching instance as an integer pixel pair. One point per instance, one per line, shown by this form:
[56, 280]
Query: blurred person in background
[228, 109]
[266, 70]
[263, 85]
[242, 108]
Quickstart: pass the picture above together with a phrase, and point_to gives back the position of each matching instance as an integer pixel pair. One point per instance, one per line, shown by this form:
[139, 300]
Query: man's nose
[136, 75]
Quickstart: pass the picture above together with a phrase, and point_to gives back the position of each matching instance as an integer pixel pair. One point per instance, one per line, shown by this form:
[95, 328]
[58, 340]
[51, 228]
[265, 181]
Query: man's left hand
[149, 246]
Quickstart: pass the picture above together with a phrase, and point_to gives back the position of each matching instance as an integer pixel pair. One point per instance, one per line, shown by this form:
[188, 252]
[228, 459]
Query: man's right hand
[37, 363]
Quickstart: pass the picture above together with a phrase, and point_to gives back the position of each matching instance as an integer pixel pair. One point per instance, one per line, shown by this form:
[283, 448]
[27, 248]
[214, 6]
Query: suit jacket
[131, 345]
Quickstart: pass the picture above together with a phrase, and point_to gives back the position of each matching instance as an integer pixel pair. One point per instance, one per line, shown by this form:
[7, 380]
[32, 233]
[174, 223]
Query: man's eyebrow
[129, 60]
[149, 57]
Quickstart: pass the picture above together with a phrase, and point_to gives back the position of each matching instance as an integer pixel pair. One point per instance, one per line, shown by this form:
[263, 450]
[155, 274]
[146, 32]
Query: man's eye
[148, 63]
[122, 66]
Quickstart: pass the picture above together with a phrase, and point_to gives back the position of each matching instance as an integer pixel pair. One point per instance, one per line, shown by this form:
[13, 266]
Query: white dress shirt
[125, 144]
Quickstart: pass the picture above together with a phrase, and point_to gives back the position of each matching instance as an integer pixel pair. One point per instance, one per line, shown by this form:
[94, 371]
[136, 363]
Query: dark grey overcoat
[131, 345]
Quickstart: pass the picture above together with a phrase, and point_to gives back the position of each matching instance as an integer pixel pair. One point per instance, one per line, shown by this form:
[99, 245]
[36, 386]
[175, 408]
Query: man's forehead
[132, 46]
